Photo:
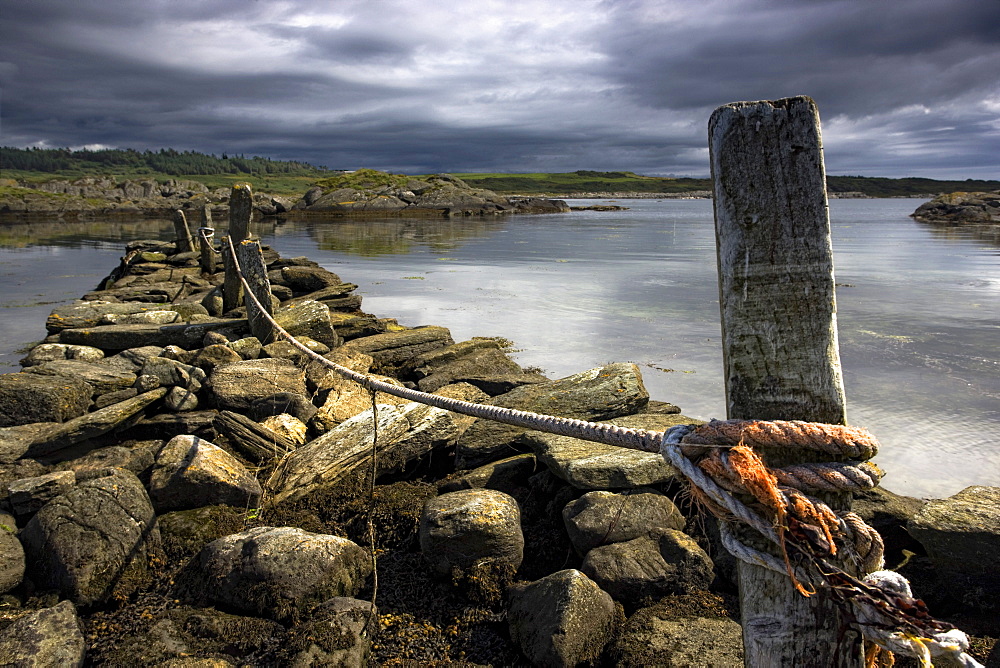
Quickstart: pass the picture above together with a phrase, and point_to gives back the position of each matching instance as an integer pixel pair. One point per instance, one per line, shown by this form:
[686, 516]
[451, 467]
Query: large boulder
[118, 415]
[238, 385]
[94, 541]
[669, 562]
[597, 394]
[51, 352]
[479, 362]
[191, 472]
[561, 620]
[962, 532]
[12, 564]
[595, 466]
[600, 517]
[281, 572]
[334, 635]
[461, 528]
[47, 637]
[405, 433]
[660, 635]
[102, 378]
[27, 398]
[308, 319]
[392, 350]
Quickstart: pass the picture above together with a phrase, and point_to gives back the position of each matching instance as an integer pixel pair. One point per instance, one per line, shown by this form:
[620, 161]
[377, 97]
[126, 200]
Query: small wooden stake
[207, 259]
[185, 244]
[779, 336]
[255, 271]
[232, 289]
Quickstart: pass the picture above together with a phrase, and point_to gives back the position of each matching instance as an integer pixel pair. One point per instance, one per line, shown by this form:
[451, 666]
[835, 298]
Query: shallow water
[919, 308]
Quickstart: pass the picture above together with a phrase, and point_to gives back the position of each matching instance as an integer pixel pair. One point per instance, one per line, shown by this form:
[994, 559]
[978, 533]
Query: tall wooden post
[240, 212]
[185, 244]
[779, 336]
[255, 271]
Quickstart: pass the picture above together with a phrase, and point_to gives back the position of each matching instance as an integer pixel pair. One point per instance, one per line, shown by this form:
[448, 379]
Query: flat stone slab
[591, 466]
[123, 337]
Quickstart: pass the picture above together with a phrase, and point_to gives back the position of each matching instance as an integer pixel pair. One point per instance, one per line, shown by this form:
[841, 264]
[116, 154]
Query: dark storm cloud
[904, 87]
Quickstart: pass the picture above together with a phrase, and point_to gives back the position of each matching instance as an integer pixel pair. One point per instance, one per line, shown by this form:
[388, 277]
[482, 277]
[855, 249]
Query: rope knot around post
[723, 471]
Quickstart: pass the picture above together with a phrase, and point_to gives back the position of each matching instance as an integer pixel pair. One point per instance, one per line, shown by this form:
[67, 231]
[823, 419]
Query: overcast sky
[904, 87]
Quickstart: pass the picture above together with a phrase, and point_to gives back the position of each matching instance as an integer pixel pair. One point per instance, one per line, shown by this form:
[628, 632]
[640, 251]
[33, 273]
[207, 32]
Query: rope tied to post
[718, 462]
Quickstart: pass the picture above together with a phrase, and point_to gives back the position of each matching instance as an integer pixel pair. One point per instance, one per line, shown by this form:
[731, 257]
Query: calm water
[919, 309]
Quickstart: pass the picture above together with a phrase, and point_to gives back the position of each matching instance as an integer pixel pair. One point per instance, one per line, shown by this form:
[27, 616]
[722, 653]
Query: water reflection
[918, 306]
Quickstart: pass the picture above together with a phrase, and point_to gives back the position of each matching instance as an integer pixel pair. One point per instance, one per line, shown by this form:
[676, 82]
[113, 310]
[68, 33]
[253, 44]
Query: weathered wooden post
[185, 244]
[779, 336]
[240, 211]
[207, 258]
[255, 271]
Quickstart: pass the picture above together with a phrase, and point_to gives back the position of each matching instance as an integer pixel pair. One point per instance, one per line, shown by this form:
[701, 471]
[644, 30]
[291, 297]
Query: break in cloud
[908, 88]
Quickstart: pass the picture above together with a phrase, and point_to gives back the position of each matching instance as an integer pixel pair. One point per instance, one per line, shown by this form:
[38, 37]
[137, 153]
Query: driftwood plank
[254, 441]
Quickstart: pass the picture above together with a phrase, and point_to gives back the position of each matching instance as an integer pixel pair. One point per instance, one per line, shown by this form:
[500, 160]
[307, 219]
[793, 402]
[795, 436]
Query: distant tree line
[165, 161]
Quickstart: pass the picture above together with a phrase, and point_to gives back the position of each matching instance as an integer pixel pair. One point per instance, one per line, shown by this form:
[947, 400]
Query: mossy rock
[185, 532]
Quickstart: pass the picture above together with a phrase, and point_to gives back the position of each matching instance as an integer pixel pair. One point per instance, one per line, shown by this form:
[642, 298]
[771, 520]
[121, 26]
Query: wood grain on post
[207, 258]
[255, 272]
[232, 289]
[779, 336]
[185, 244]
[240, 212]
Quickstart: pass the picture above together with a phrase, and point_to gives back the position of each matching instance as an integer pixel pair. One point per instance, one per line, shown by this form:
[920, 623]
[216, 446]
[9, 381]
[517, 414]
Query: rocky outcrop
[369, 192]
[362, 192]
[961, 209]
[533, 557]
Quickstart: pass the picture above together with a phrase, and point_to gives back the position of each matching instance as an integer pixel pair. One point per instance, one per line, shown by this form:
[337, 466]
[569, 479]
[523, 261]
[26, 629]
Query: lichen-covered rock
[308, 319]
[303, 280]
[237, 386]
[102, 378]
[281, 572]
[597, 394]
[51, 352]
[391, 350]
[596, 466]
[600, 518]
[94, 541]
[27, 398]
[289, 426]
[42, 638]
[458, 529]
[405, 433]
[191, 472]
[561, 620]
